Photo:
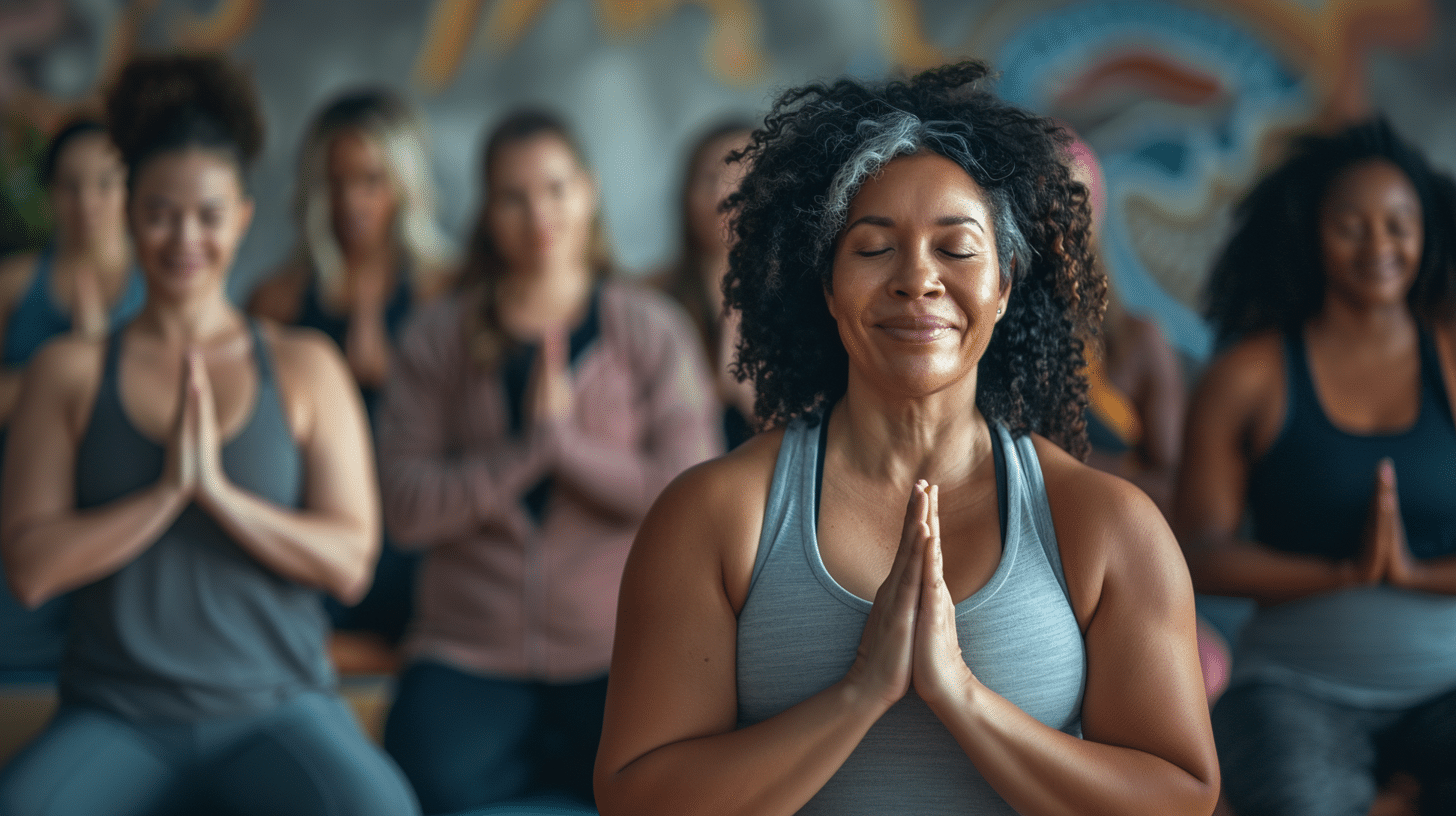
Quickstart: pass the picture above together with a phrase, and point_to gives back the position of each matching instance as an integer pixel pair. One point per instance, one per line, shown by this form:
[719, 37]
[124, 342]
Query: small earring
[998, 310]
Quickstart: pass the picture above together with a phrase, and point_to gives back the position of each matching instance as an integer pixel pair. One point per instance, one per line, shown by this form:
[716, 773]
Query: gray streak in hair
[902, 134]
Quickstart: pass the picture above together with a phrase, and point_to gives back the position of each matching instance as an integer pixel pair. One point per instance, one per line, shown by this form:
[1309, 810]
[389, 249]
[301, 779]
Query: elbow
[28, 589]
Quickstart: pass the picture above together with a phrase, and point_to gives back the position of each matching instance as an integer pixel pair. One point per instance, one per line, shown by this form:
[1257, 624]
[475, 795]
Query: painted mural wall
[1185, 101]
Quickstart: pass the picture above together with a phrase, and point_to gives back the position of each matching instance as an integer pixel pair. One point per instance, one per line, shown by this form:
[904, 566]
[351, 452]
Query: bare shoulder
[65, 374]
[16, 273]
[313, 379]
[717, 508]
[1254, 367]
[1105, 526]
[279, 297]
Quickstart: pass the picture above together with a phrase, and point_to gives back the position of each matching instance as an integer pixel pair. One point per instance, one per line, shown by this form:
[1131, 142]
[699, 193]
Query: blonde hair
[392, 125]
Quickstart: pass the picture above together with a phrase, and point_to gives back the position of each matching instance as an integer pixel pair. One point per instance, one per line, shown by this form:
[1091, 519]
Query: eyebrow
[943, 221]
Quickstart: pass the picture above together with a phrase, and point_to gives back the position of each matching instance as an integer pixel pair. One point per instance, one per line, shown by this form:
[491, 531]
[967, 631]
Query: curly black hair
[164, 103]
[1270, 274]
[816, 145]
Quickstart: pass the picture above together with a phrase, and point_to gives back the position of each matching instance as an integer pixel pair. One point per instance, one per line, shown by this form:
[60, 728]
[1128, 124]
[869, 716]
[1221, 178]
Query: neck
[190, 321]
[1364, 325]
[940, 437]
[533, 301]
[369, 256]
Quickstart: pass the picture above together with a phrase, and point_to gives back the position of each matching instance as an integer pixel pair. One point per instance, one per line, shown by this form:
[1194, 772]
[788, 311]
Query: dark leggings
[1287, 753]
[307, 757]
[467, 741]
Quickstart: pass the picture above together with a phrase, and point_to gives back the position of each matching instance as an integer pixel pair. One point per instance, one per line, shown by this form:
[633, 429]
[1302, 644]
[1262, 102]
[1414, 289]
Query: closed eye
[960, 256]
[870, 253]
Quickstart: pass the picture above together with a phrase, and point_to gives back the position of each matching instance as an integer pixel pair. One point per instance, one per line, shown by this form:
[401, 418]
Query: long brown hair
[484, 268]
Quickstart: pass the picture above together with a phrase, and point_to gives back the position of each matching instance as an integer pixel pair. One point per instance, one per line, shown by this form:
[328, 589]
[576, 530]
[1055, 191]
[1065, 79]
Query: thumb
[1387, 498]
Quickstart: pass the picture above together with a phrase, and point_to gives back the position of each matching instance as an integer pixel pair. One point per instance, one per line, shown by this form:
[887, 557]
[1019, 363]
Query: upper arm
[1162, 398]
[40, 461]
[327, 418]
[681, 401]
[1234, 417]
[673, 674]
[1129, 582]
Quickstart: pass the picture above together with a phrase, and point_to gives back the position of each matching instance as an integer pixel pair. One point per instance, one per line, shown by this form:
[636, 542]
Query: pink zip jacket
[499, 594]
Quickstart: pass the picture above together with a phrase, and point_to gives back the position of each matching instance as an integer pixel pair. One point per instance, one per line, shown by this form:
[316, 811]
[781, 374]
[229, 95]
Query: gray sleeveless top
[195, 627]
[799, 629]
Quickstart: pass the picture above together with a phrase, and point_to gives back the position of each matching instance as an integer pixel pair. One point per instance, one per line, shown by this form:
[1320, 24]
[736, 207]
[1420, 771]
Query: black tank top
[1310, 493]
[194, 627]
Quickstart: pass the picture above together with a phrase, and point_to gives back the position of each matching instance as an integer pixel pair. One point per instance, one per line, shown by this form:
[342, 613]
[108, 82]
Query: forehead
[354, 146]
[87, 151]
[188, 174]
[1373, 182]
[923, 185]
[521, 161]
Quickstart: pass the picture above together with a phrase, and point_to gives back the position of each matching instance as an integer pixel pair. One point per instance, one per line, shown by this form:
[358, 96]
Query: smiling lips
[916, 328]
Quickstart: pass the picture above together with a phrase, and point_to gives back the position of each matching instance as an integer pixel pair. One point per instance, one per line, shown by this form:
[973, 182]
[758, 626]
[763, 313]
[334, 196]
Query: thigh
[1423, 743]
[571, 720]
[90, 762]
[460, 738]
[1285, 753]
[311, 759]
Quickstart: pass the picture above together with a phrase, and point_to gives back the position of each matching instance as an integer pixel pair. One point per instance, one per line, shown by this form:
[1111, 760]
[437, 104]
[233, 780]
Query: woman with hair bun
[1327, 421]
[369, 250]
[906, 597]
[195, 480]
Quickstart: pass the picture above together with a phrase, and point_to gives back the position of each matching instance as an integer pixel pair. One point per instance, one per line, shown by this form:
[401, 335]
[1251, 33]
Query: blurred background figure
[195, 480]
[1333, 303]
[529, 423]
[369, 250]
[696, 279]
[82, 282]
[1136, 403]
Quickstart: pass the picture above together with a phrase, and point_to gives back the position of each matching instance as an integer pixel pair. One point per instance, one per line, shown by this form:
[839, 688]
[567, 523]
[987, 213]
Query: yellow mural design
[229, 22]
[732, 51]
[1331, 42]
[901, 34]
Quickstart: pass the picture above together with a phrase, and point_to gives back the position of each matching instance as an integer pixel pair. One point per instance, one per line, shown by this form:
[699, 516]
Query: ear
[828, 291]
[1004, 300]
[245, 215]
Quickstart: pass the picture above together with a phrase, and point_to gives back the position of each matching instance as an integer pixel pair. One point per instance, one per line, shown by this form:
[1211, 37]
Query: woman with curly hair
[1333, 300]
[369, 251]
[196, 480]
[914, 279]
[531, 419]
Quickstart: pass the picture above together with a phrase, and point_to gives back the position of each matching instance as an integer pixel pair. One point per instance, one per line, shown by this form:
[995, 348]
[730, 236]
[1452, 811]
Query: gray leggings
[1287, 753]
[307, 756]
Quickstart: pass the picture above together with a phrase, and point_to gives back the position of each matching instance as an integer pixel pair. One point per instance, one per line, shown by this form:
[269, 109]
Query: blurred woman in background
[1333, 304]
[196, 481]
[369, 250]
[696, 279]
[528, 424]
[82, 283]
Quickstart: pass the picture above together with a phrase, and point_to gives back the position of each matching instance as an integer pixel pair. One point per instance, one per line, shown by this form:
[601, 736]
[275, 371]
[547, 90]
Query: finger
[910, 537]
[934, 512]
[1385, 478]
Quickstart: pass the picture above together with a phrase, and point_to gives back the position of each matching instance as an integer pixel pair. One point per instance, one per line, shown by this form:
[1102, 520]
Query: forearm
[1436, 576]
[1248, 570]
[621, 481]
[429, 498]
[48, 557]
[334, 554]
[1041, 771]
[771, 767]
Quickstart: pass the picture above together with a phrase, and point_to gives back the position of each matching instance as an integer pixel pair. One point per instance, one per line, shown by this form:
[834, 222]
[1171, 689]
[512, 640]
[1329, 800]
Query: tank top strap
[1299, 382]
[262, 357]
[1026, 491]
[1433, 380]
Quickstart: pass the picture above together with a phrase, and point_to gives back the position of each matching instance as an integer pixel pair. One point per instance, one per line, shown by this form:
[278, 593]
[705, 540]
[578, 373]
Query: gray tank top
[799, 629]
[194, 627]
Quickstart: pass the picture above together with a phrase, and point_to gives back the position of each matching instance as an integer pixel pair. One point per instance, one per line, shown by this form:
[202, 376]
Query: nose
[915, 276]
